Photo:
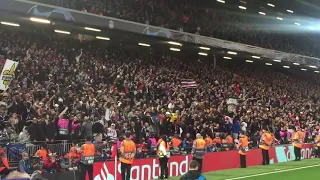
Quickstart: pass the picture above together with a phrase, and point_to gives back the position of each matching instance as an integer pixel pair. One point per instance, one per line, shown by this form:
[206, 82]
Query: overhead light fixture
[298, 24]
[271, 5]
[205, 48]
[303, 69]
[174, 49]
[39, 20]
[143, 44]
[316, 71]
[242, 7]
[61, 32]
[249, 61]
[262, 13]
[256, 57]
[279, 18]
[103, 38]
[297, 64]
[276, 60]
[290, 11]
[287, 67]
[233, 53]
[268, 64]
[10, 24]
[221, 1]
[203, 54]
[313, 67]
[175, 43]
[92, 29]
[227, 57]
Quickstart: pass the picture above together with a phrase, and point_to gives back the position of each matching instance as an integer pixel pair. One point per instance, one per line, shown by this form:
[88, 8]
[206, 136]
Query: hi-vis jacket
[127, 151]
[317, 141]
[297, 139]
[265, 141]
[88, 151]
[163, 150]
[243, 145]
[199, 148]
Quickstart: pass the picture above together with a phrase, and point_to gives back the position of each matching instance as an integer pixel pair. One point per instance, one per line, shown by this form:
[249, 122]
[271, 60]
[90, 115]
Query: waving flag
[189, 83]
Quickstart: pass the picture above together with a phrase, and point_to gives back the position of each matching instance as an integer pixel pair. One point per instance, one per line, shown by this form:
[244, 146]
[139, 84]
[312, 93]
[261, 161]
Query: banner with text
[7, 74]
[146, 169]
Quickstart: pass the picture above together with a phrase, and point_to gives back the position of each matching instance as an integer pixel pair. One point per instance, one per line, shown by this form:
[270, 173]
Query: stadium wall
[146, 169]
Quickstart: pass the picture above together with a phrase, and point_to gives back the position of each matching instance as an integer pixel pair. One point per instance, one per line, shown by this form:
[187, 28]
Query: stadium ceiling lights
[143, 44]
[205, 48]
[61, 32]
[315, 67]
[10, 24]
[233, 53]
[256, 57]
[297, 64]
[92, 29]
[262, 13]
[175, 43]
[242, 7]
[221, 1]
[279, 18]
[290, 11]
[271, 5]
[39, 20]
[175, 49]
[296, 23]
[227, 57]
[268, 64]
[287, 67]
[316, 71]
[103, 38]
[303, 69]
[249, 61]
[203, 54]
[276, 60]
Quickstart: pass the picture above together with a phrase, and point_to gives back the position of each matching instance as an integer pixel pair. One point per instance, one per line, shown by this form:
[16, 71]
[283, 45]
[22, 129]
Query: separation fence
[146, 169]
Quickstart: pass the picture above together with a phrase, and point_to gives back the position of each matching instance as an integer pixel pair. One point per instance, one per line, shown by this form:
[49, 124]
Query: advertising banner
[146, 169]
[7, 74]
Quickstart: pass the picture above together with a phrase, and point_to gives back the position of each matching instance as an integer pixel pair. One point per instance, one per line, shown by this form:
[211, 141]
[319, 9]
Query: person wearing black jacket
[193, 173]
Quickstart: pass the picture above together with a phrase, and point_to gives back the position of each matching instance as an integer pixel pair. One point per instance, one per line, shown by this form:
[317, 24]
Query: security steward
[297, 142]
[264, 145]
[87, 159]
[164, 155]
[4, 164]
[317, 145]
[127, 154]
[243, 147]
[199, 150]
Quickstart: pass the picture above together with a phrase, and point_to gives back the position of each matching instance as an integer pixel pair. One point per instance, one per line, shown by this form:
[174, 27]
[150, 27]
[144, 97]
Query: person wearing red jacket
[4, 164]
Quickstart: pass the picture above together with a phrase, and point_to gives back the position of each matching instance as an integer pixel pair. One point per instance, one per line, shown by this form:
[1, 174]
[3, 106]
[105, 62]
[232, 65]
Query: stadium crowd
[205, 19]
[106, 91]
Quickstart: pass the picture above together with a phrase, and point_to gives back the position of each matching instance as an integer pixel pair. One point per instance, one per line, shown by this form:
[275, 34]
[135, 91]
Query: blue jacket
[192, 175]
[24, 166]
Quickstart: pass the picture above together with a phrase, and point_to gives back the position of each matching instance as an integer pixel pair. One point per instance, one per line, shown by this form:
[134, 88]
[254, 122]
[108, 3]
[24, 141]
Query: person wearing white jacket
[164, 155]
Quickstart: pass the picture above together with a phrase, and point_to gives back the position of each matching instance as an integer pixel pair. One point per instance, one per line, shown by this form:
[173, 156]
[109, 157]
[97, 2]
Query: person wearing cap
[199, 150]
[112, 132]
[127, 154]
[264, 145]
[193, 172]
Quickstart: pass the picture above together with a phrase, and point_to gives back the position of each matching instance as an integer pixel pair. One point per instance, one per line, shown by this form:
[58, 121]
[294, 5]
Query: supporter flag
[189, 83]
[7, 74]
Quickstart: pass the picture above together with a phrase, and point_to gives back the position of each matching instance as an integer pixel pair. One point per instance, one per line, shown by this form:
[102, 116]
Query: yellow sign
[7, 75]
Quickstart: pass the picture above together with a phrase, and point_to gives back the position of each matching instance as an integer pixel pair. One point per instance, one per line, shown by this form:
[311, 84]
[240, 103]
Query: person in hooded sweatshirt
[193, 173]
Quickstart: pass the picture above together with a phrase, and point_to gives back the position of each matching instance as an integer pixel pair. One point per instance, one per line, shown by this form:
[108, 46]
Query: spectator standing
[112, 132]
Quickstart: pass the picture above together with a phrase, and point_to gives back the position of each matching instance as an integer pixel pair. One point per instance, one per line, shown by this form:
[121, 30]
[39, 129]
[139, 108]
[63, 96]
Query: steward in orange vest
[243, 147]
[127, 155]
[43, 152]
[199, 150]
[227, 143]
[264, 145]
[317, 145]
[297, 142]
[87, 158]
[164, 155]
[176, 144]
[4, 164]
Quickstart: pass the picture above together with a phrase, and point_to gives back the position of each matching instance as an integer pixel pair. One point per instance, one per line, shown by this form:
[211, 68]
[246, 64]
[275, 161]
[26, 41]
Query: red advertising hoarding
[146, 169]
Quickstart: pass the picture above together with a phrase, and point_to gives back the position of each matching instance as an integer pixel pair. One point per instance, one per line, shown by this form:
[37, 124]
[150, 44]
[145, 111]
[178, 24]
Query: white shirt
[112, 133]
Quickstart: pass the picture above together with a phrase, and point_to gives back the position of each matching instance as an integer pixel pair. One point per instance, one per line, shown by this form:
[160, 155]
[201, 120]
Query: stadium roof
[132, 40]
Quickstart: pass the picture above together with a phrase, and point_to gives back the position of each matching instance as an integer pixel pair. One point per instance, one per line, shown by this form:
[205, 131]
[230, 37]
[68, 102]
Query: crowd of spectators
[208, 20]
